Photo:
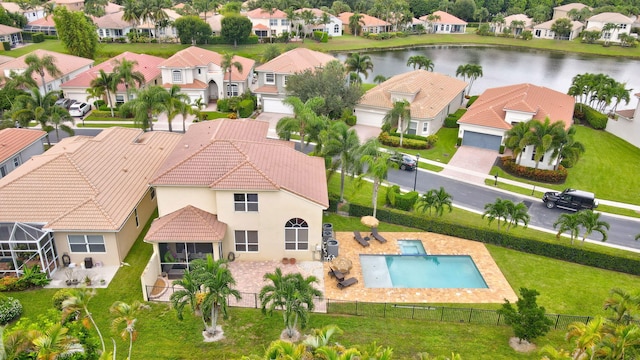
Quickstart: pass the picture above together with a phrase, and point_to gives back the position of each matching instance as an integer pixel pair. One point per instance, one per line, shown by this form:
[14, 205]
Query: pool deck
[435, 244]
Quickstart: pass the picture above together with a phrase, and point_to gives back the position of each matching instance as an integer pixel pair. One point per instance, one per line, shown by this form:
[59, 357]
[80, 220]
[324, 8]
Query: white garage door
[368, 118]
[485, 141]
[275, 106]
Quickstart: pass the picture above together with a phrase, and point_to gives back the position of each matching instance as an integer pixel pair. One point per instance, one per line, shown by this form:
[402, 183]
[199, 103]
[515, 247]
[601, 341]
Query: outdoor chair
[336, 273]
[376, 235]
[346, 283]
[359, 239]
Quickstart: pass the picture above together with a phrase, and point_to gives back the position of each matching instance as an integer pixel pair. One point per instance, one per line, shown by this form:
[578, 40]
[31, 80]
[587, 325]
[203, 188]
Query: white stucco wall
[517, 116]
[172, 198]
[626, 129]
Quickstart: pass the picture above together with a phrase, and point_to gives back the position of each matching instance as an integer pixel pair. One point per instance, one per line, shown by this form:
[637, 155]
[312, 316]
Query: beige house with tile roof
[598, 22]
[543, 30]
[228, 190]
[166, 33]
[18, 146]
[499, 28]
[86, 197]
[562, 11]
[332, 28]
[626, 124]
[44, 25]
[445, 23]
[76, 88]
[70, 66]
[272, 76]
[432, 96]
[33, 14]
[266, 24]
[112, 26]
[10, 34]
[370, 24]
[497, 109]
[198, 73]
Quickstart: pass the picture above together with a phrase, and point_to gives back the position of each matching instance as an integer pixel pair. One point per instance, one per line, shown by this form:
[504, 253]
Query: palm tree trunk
[401, 126]
[376, 184]
[130, 344]
[86, 310]
[342, 176]
[110, 104]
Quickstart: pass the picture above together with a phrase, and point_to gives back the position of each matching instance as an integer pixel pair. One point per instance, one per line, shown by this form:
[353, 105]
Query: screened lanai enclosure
[26, 245]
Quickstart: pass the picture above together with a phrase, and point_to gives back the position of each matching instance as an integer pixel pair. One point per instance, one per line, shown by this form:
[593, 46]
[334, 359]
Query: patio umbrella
[369, 221]
[342, 264]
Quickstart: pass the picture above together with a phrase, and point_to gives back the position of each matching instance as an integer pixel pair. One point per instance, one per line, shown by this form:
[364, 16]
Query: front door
[213, 91]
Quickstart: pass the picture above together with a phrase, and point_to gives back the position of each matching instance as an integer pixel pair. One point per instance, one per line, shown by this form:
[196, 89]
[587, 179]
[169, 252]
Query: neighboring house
[76, 88]
[18, 146]
[167, 32]
[229, 191]
[432, 96]
[71, 5]
[563, 10]
[497, 109]
[33, 14]
[543, 30]
[112, 8]
[269, 24]
[445, 23]
[86, 199]
[112, 26]
[272, 76]
[70, 66]
[598, 23]
[44, 25]
[626, 125]
[369, 24]
[10, 34]
[332, 28]
[198, 73]
[215, 21]
[499, 28]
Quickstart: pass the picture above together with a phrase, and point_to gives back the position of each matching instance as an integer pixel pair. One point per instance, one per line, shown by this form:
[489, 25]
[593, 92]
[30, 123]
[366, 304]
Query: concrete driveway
[272, 119]
[471, 164]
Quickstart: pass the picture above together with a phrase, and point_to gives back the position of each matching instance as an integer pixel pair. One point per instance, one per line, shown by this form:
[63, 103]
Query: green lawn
[443, 150]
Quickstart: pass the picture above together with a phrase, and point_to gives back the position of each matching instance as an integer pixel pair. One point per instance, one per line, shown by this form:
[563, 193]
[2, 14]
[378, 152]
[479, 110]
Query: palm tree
[517, 213]
[591, 222]
[36, 107]
[308, 18]
[342, 144]
[545, 136]
[103, 86]
[148, 103]
[227, 65]
[377, 164]
[517, 25]
[78, 303]
[304, 117]
[397, 115]
[622, 303]
[292, 293]
[570, 223]
[431, 18]
[127, 75]
[178, 104]
[496, 211]
[379, 79]
[498, 21]
[516, 139]
[131, 13]
[187, 295]
[58, 116]
[420, 61]
[53, 344]
[126, 314]
[436, 199]
[281, 349]
[356, 21]
[608, 30]
[44, 65]
[321, 337]
[587, 337]
[471, 71]
[360, 64]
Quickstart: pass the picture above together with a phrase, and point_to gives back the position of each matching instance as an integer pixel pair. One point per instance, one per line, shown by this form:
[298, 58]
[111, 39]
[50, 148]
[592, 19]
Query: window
[86, 244]
[273, 22]
[135, 212]
[270, 78]
[16, 161]
[284, 80]
[119, 99]
[296, 235]
[533, 155]
[245, 202]
[232, 90]
[199, 71]
[336, 28]
[246, 240]
[413, 126]
[3, 171]
[284, 22]
[177, 76]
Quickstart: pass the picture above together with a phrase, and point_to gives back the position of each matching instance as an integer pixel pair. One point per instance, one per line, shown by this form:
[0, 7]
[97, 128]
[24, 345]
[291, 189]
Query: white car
[79, 109]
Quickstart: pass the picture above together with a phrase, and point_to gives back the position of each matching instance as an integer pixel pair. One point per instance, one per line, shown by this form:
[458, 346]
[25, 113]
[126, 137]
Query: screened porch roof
[189, 224]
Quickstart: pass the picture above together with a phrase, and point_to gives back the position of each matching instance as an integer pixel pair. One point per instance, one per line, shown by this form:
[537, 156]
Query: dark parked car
[405, 162]
[570, 199]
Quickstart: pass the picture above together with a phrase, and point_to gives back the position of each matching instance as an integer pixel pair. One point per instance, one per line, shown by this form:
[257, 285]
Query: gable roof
[236, 155]
[491, 106]
[146, 64]
[295, 61]
[568, 7]
[575, 25]
[112, 21]
[518, 17]
[611, 17]
[445, 18]
[8, 30]
[194, 56]
[13, 140]
[315, 11]
[434, 92]
[65, 63]
[85, 183]
[187, 224]
[368, 20]
[260, 13]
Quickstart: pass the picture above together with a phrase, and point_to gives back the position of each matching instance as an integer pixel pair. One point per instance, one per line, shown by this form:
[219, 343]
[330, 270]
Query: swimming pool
[411, 247]
[421, 271]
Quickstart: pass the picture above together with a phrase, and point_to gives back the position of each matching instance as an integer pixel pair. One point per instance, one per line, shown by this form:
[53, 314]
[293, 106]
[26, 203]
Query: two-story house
[621, 25]
[272, 76]
[199, 74]
[333, 26]
[269, 23]
[18, 146]
[229, 191]
[497, 109]
[147, 65]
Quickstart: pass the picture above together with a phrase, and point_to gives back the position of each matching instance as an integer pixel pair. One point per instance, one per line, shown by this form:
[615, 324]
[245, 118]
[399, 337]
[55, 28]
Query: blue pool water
[421, 271]
[411, 247]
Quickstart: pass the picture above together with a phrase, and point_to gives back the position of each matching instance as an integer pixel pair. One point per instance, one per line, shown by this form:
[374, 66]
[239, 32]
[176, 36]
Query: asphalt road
[474, 197]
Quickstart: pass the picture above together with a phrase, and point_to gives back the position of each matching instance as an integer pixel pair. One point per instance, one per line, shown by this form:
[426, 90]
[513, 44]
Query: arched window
[296, 235]
[176, 76]
[336, 28]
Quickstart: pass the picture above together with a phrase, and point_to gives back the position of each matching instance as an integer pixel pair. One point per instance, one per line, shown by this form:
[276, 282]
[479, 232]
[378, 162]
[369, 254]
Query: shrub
[549, 176]
[59, 297]
[472, 100]
[6, 45]
[351, 120]
[334, 200]
[10, 309]
[391, 195]
[37, 37]
[408, 143]
[452, 119]
[501, 149]
[99, 104]
[232, 115]
[591, 116]
[459, 142]
[245, 108]
[223, 105]
[9, 283]
[406, 201]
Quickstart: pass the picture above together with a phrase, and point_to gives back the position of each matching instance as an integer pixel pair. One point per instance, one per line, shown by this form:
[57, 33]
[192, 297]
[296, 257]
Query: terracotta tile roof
[194, 56]
[368, 20]
[236, 155]
[571, 6]
[8, 30]
[316, 12]
[65, 63]
[296, 60]
[261, 27]
[434, 92]
[196, 84]
[86, 183]
[518, 17]
[187, 224]
[445, 18]
[147, 65]
[112, 8]
[611, 17]
[490, 108]
[44, 22]
[12, 141]
[575, 25]
[266, 89]
[68, 1]
[627, 113]
[262, 14]
[112, 21]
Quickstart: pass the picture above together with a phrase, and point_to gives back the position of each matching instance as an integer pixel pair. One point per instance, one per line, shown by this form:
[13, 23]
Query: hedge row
[549, 176]
[408, 141]
[452, 119]
[472, 100]
[401, 201]
[591, 116]
[492, 236]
